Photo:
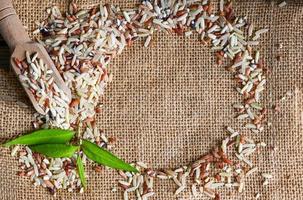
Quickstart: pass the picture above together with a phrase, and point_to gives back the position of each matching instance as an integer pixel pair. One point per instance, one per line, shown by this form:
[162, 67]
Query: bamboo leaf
[81, 172]
[104, 157]
[43, 136]
[55, 150]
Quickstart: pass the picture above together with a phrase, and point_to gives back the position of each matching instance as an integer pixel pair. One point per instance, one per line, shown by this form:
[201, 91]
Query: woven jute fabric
[169, 103]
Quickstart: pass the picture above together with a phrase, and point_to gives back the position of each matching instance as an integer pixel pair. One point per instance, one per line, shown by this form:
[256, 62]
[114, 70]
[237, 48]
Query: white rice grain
[282, 4]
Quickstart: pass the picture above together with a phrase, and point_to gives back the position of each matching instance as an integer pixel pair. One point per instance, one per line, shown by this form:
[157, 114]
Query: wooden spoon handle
[11, 27]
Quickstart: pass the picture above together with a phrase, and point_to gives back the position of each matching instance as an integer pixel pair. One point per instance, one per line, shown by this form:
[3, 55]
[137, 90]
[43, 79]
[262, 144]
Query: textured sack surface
[169, 103]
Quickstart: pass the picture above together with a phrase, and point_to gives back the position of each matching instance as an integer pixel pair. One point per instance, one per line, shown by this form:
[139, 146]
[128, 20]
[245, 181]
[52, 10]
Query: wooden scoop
[19, 42]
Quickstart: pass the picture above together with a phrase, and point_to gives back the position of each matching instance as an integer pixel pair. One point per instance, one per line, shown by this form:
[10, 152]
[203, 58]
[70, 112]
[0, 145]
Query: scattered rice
[15, 150]
[282, 4]
[265, 182]
[257, 196]
[105, 37]
[267, 175]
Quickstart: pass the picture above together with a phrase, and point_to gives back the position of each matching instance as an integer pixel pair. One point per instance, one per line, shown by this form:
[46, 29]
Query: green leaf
[43, 136]
[81, 173]
[104, 157]
[55, 150]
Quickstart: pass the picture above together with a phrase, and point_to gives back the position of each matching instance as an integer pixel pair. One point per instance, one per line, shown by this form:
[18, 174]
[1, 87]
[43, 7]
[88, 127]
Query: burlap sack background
[169, 103]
